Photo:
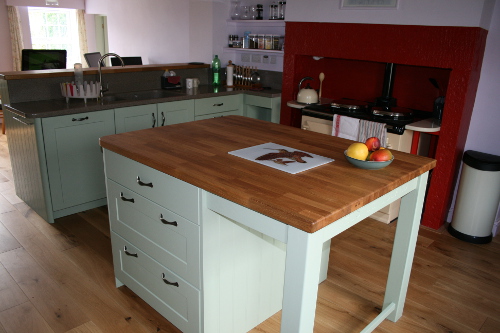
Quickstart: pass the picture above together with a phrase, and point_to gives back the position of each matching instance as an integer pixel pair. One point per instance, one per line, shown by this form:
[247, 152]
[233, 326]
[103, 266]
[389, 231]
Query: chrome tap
[102, 90]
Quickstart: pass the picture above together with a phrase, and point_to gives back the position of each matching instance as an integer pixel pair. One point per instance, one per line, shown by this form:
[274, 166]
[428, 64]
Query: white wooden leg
[302, 267]
[404, 248]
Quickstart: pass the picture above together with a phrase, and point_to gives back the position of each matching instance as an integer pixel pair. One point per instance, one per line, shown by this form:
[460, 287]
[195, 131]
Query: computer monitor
[126, 61]
[43, 59]
[92, 59]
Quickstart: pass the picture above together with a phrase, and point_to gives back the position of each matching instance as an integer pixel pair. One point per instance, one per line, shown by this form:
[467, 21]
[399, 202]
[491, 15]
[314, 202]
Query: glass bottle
[245, 13]
[281, 10]
[216, 70]
[235, 9]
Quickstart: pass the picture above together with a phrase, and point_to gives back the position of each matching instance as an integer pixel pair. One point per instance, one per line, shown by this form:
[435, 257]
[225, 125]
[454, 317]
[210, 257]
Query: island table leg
[405, 241]
[300, 292]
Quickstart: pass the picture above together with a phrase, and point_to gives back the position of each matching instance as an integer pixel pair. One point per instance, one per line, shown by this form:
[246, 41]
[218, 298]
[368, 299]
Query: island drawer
[167, 293]
[167, 237]
[178, 196]
[216, 104]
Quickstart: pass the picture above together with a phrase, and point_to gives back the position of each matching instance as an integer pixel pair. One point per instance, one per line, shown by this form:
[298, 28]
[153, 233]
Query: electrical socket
[265, 59]
[245, 57]
[273, 60]
[256, 58]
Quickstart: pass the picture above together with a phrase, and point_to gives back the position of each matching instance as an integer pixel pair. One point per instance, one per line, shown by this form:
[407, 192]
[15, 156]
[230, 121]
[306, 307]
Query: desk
[303, 210]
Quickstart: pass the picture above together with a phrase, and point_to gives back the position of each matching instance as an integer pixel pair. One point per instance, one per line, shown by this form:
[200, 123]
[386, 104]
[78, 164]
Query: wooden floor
[59, 278]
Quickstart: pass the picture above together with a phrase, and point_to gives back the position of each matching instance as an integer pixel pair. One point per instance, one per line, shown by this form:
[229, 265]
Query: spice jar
[281, 10]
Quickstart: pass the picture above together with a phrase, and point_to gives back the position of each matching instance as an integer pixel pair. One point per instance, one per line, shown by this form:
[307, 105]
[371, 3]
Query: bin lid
[482, 161]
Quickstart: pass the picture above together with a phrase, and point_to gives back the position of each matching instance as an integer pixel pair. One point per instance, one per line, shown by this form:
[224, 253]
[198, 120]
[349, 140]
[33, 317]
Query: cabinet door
[263, 108]
[176, 112]
[74, 158]
[133, 118]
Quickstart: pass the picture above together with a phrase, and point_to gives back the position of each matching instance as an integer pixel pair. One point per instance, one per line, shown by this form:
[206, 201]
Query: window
[55, 28]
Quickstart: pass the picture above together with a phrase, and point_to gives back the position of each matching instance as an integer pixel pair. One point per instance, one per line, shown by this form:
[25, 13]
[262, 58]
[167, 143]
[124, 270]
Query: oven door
[317, 124]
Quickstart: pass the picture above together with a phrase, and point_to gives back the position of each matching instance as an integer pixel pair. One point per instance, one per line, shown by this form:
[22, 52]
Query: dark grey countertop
[59, 107]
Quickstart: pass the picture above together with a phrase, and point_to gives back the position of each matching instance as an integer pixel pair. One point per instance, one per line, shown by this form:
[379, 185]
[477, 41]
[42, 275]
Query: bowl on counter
[368, 165]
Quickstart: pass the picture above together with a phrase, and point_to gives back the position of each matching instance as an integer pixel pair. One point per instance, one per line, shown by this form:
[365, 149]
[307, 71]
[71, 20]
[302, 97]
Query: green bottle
[216, 70]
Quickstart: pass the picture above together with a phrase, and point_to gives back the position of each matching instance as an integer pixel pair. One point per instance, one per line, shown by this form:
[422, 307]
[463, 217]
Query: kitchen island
[297, 214]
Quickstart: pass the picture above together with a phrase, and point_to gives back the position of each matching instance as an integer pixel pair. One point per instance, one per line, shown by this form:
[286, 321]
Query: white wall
[160, 31]
[472, 13]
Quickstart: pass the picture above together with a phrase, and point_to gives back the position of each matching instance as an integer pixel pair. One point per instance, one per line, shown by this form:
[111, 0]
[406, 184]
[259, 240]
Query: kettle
[307, 95]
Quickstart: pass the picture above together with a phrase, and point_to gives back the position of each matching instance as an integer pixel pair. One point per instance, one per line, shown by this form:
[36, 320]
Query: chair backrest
[93, 59]
[126, 60]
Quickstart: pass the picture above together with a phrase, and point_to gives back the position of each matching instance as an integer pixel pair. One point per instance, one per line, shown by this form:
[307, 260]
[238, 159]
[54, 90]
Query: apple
[381, 155]
[373, 143]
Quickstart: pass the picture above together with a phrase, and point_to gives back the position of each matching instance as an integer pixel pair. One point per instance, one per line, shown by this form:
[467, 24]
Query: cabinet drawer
[168, 238]
[216, 104]
[178, 302]
[219, 114]
[178, 196]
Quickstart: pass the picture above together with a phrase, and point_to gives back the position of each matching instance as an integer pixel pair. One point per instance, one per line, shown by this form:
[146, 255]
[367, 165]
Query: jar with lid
[254, 42]
[260, 14]
[268, 42]
[273, 11]
[260, 43]
[276, 42]
[281, 10]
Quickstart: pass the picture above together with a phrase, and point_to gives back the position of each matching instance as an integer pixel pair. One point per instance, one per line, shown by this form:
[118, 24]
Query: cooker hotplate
[396, 118]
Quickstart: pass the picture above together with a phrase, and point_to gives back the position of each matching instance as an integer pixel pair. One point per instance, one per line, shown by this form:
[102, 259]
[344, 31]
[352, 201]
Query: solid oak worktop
[197, 152]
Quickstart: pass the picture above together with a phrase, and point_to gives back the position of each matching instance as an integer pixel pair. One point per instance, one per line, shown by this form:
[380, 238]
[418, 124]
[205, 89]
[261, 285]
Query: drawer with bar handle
[167, 237]
[167, 191]
[217, 104]
[167, 293]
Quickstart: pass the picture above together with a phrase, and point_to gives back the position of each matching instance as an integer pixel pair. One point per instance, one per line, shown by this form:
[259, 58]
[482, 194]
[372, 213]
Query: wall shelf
[241, 50]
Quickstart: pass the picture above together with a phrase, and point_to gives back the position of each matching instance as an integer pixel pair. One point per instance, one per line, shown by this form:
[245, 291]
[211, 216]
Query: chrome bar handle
[22, 122]
[126, 199]
[218, 104]
[168, 282]
[140, 182]
[174, 223]
[128, 253]
[162, 118]
[80, 119]
[154, 120]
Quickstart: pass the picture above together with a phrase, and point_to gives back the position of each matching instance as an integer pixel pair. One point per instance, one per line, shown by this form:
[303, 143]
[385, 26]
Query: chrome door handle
[162, 118]
[218, 104]
[143, 183]
[154, 119]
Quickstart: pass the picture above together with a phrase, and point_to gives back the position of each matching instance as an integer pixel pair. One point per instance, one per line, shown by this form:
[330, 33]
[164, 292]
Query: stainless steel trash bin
[477, 199]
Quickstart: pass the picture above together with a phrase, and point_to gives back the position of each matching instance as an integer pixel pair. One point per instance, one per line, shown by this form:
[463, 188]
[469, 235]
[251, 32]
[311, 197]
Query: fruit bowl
[368, 165]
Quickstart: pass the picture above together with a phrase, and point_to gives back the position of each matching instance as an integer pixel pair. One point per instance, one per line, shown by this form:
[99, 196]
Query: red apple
[381, 155]
[372, 143]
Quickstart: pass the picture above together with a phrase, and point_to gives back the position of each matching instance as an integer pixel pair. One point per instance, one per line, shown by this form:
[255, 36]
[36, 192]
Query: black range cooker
[395, 117]
[383, 110]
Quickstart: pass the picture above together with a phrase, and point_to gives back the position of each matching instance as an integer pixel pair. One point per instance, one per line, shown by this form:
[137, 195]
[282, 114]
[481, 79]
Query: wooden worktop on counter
[197, 152]
[37, 74]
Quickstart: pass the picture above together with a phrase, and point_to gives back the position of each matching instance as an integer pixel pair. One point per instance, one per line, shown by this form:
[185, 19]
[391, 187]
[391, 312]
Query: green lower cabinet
[74, 158]
[263, 108]
[176, 112]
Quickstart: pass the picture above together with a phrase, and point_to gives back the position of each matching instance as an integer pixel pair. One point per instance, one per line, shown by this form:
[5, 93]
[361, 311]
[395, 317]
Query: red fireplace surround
[353, 58]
